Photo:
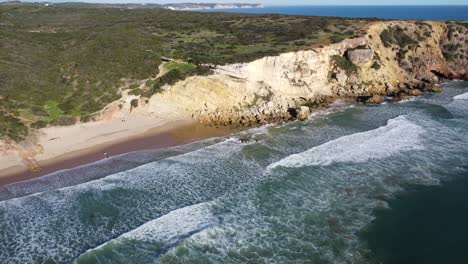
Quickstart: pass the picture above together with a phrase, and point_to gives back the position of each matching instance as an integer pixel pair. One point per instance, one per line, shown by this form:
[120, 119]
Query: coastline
[162, 134]
[238, 95]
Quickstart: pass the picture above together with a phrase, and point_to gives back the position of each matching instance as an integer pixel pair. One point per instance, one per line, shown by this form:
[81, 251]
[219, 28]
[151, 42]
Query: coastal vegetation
[452, 46]
[396, 36]
[344, 64]
[61, 64]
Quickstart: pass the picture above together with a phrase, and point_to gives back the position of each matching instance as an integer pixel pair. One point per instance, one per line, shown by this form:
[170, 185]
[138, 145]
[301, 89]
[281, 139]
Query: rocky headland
[393, 61]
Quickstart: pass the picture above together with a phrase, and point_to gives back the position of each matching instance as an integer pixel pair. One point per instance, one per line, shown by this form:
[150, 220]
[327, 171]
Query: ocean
[354, 184]
[459, 13]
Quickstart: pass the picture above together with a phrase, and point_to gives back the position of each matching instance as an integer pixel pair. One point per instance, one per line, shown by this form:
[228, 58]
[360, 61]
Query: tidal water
[354, 184]
[459, 13]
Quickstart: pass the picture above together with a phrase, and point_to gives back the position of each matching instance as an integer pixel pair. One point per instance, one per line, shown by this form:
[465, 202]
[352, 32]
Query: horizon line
[234, 2]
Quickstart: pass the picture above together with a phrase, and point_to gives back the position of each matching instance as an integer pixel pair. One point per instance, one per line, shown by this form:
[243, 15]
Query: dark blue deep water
[382, 12]
[425, 224]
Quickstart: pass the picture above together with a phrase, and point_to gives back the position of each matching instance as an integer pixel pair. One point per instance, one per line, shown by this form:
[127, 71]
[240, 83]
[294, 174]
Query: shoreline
[168, 134]
[164, 134]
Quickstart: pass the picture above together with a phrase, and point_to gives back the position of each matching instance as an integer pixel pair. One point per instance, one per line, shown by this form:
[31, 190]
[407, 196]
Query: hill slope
[59, 65]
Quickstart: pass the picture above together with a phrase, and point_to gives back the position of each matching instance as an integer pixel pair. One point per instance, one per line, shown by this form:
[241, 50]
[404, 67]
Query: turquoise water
[382, 12]
[301, 192]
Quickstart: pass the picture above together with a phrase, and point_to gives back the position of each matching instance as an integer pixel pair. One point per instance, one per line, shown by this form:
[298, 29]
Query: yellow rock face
[263, 90]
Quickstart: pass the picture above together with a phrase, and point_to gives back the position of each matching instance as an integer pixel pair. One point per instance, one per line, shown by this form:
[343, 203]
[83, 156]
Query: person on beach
[105, 155]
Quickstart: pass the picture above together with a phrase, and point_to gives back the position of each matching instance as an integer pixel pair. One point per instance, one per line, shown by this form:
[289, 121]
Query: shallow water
[297, 193]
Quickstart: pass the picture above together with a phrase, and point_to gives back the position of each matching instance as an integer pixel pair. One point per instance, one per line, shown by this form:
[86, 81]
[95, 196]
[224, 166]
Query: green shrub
[376, 66]
[344, 64]
[134, 103]
[39, 124]
[136, 92]
[64, 121]
[396, 36]
[387, 38]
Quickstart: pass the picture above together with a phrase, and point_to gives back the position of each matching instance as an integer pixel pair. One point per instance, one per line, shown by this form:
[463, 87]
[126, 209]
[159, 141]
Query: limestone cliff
[397, 59]
[394, 59]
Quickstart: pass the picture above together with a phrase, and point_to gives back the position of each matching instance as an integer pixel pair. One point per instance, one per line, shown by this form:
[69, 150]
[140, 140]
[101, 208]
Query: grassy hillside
[60, 64]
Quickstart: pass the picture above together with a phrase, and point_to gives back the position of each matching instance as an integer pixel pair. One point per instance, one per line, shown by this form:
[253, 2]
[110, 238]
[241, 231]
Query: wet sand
[152, 139]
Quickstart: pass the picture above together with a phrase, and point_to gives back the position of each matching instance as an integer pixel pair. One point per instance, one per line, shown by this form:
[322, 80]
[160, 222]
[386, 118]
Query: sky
[281, 2]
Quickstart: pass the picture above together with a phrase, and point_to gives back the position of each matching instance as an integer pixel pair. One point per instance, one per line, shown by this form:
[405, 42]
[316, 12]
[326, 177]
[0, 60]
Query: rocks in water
[415, 92]
[360, 55]
[400, 97]
[303, 113]
[375, 99]
[433, 89]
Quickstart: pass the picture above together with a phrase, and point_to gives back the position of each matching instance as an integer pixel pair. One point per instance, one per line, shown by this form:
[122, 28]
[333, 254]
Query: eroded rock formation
[399, 59]
[360, 55]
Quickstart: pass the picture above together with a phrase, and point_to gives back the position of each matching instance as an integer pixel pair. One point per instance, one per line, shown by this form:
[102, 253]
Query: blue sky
[283, 2]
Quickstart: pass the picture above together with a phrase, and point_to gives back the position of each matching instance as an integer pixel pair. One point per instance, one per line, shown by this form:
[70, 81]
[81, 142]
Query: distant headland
[204, 6]
[175, 6]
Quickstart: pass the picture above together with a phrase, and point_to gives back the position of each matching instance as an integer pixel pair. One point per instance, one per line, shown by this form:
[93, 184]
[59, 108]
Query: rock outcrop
[360, 55]
[283, 87]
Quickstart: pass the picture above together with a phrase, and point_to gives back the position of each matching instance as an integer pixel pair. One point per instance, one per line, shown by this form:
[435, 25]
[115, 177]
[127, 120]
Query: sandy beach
[67, 147]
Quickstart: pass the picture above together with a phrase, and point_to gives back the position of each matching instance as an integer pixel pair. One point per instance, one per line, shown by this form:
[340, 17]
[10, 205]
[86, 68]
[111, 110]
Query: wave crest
[463, 96]
[163, 233]
[397, 136]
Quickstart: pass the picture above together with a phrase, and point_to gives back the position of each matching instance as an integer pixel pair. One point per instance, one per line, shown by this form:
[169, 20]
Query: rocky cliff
[395, 58]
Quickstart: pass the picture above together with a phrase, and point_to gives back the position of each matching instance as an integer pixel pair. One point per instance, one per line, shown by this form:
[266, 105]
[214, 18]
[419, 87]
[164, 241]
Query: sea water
[345, 186]
[439, 12]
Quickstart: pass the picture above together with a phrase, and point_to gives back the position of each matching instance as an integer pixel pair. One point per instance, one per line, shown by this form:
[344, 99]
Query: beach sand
[72, 146]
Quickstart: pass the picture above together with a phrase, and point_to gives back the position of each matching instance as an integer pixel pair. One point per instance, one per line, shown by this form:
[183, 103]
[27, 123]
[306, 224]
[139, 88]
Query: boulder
[303, 113]
[390, 88]
[376, 99]
[400, 97]
[360, 55]
[341, 77]
[433, 89]
[415, 92]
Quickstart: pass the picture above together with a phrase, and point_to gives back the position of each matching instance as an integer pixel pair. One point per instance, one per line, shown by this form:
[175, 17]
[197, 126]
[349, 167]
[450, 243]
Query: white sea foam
[171, 227]
[463, 96]
[411, 99]
[398, 135]
[176, 224]
[337, 106]
[175, 180]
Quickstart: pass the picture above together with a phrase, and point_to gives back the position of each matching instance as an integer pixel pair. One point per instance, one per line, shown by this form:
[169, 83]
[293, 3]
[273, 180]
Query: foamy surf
[463, 96]
[397, 136]
[165, 232]
[156, 213]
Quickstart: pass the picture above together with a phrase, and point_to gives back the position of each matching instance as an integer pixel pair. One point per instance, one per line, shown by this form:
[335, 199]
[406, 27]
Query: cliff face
[395, 58]
[398, 59]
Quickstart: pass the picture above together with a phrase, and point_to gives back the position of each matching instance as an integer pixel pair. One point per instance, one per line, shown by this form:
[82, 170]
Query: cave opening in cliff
[439, 74]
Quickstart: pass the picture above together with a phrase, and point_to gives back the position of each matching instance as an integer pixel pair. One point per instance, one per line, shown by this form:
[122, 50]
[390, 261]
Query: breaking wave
[160, 234]
[461, 97]
[397, 136]
[226, 202]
